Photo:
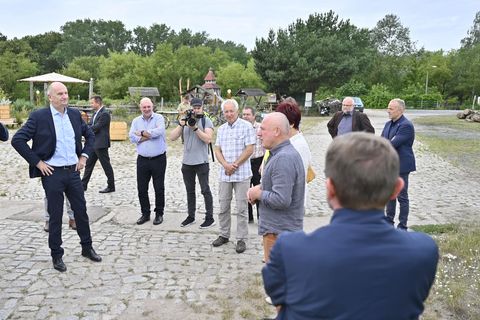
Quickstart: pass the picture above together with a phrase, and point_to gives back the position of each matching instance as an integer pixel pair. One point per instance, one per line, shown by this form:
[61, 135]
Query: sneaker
[187, 222]
[219, 241]
[241, 246]
[207, 224]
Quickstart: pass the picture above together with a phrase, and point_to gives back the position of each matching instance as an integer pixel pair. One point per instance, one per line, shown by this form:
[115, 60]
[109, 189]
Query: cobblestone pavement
[168, 272]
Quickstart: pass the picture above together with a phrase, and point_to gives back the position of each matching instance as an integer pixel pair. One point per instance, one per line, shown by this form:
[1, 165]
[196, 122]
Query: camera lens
[191, 122]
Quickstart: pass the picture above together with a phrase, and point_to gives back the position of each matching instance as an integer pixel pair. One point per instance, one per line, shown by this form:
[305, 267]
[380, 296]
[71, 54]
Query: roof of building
[144, 91]
[251, 92]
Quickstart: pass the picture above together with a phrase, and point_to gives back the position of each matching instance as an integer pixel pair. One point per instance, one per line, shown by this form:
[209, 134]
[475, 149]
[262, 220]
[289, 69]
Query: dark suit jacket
[40, 129]
[3, 132]
[360, 122]
[101, 128]
[401, 134]
[357, 267]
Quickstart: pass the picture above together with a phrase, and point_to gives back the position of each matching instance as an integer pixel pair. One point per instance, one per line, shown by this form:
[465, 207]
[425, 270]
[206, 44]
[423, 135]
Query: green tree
[237, 52]
[82, 68]
[15, 67]
[378, 97]
[352, 88]
[235, 76]
[391, 37]
[321, 51]
[144, 41]
[120, 71]
[91, 38]
[473, 36]
[466, 68]
[44, 45]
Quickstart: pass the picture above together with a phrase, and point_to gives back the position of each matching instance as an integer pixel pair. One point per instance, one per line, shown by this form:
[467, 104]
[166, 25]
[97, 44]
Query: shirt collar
[55, 111]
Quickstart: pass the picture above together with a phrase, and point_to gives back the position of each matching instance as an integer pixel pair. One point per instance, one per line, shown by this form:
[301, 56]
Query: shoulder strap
[210, 144]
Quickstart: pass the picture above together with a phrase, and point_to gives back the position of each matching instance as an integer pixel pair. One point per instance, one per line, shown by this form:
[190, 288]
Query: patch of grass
[435, 229]
[456, 291]
[456, 141]
[449, 121]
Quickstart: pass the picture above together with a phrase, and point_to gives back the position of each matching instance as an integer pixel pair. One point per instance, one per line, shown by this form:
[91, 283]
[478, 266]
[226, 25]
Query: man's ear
[331, 192]
[398, 187]
[332, 195]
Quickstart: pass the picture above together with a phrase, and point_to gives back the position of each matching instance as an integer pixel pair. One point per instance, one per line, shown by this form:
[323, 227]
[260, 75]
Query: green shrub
[378, 97]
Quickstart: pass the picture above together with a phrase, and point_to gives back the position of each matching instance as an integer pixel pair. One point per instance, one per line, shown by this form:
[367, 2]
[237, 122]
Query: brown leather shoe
[46, 227]
[72, 224]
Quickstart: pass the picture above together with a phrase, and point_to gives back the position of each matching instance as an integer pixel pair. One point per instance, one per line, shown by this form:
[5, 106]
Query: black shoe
[107, 190]
[91, 254]
[59, 265]
[219, 241]
[158, 219]
[207, 224]
[188, 221]
[241, 246]
[143, 219]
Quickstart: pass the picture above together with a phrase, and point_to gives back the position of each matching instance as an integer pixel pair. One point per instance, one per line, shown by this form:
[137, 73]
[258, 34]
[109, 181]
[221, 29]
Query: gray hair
[400, 103]
[230, 101]
[363, 168]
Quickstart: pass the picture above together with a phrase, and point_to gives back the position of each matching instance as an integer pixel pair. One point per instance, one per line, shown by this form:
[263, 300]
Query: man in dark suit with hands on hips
[57, 156]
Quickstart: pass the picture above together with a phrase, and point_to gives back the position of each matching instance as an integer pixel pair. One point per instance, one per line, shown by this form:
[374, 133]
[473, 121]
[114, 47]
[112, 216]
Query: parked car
[358, 104]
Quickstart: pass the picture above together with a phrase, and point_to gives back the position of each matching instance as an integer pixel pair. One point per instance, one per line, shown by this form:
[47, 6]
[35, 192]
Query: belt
[71, 167]
[151, 158]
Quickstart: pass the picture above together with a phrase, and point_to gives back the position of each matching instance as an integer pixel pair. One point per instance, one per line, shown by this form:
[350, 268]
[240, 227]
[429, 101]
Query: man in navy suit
[358, 266]
[399, 130]
[100, 124]
[57, 156]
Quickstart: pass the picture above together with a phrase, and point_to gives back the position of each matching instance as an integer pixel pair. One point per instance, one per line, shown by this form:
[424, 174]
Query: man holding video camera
[197, 131]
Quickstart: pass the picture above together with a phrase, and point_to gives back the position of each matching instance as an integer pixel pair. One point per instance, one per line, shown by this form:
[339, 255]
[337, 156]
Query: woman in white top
[290, 108]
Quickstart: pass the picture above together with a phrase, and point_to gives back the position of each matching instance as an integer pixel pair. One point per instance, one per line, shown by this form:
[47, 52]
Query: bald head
[58, 95]
[274, 129]
[146, 106]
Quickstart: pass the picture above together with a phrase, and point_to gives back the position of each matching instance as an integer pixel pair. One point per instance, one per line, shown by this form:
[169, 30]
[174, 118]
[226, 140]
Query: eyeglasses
[347, 105]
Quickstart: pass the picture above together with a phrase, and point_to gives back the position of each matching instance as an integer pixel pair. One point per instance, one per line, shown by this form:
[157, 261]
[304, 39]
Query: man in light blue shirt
[148, 134]
[57, 156]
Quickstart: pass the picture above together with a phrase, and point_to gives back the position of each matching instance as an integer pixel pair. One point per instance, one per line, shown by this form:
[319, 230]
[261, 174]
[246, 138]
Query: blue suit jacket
[358, 267]
[401, 134]
[101, 129]
[40, 129]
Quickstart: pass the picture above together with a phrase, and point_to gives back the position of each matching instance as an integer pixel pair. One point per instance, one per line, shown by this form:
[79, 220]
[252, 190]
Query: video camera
[191, 117]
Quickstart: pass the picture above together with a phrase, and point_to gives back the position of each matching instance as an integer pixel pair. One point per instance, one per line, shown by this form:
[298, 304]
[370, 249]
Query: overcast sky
[434, 25]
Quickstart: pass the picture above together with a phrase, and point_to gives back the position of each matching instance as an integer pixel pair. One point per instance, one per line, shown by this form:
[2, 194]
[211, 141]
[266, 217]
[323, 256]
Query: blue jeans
[404, 205]
[201, 171]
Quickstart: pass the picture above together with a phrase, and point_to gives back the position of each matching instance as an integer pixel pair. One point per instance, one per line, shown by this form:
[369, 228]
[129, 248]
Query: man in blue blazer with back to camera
[358, 266]
[57, 156]
[399, 130]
